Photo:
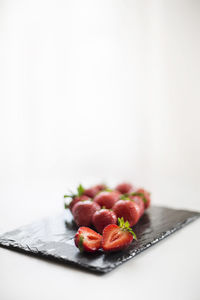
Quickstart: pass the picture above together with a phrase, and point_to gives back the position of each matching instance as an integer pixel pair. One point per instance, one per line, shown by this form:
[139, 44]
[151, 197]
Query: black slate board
[53, 238]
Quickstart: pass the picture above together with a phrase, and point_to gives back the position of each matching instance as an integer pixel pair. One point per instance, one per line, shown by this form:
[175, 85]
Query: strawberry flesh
[115, 239]
[87, 239]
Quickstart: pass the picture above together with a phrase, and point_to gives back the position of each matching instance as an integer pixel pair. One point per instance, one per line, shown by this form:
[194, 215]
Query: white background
[99, 91]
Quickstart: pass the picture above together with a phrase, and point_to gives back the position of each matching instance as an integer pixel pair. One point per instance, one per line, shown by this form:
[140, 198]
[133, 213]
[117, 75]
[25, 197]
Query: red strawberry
[77, 199]
[127, 209]
[94, 190]
[145, 196]
[91, 192]
[83, 212]
[117, 237]
[102, 218]
[87, 239]
[139, 201]
[124, 188]
[107, 199]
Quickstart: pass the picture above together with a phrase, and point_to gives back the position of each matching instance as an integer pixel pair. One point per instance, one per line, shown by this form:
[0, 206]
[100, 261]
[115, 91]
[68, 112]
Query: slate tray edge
[12, 245]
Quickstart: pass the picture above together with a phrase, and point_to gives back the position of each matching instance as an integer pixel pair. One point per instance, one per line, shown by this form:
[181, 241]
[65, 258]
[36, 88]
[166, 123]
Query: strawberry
[83, 212]
[124, 188]
[93, 191]
[102, 218]
[107, 198]
[145, 196]
[87, 239]
[127, 209]
[139, 201]
[76, 197]
[75, 200]
[117, 237]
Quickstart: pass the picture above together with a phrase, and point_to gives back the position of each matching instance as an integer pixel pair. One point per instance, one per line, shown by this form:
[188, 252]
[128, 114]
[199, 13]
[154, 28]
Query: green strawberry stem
[66, 206]
[80, 243]
[140, 195]
[125, 197]
[125, 226]
[80, 191]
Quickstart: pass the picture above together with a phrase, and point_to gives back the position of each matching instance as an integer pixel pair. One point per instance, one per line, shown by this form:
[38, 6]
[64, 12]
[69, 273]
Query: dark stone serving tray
[53, 238]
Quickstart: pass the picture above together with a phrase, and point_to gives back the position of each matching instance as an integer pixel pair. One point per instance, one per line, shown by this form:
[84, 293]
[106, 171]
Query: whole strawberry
[83, 212]
[77, 199]
[102, 218]
[145, 195]
[87, 240]
[116, 237]
[79, 196]
[107, 198]
[139, 201]
[124, 188]
[94, 190]
[127, 209]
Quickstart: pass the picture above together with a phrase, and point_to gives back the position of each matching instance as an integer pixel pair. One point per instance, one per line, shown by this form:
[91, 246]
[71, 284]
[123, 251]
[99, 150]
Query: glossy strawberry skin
[147, 197]
[94, 190]
[102, 218]
[107, 199]
[124, 188]
[87, 239]
[140, 202]
[83, 212]
[114, 239]
[127, 209]
[77, 199]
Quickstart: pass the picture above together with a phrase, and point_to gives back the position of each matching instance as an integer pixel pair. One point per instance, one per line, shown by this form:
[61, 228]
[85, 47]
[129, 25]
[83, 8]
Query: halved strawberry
[117, 237]
[87, 239]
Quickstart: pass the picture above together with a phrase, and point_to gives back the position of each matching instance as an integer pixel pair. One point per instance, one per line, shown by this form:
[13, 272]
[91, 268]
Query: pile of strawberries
[103, 208]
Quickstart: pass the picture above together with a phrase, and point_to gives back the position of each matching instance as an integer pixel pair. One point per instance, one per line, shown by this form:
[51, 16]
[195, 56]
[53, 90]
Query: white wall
[98, 90]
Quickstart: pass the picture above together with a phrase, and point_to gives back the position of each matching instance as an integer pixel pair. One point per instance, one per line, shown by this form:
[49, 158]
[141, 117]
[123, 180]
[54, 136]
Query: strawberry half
[87, 239]
[116, 237]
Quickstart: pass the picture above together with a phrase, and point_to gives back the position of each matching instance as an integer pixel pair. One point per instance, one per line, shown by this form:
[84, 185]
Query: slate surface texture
[52, 238]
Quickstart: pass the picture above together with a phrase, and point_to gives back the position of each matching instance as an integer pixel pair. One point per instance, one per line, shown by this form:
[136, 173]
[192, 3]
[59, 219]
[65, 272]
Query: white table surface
[169, 270]
[99, 90]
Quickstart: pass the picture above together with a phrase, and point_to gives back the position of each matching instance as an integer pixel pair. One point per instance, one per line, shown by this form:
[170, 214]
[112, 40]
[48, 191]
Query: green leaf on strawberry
[80, 243]
[124, 197]
[140, 195]
[80, 190]
[125, 226]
